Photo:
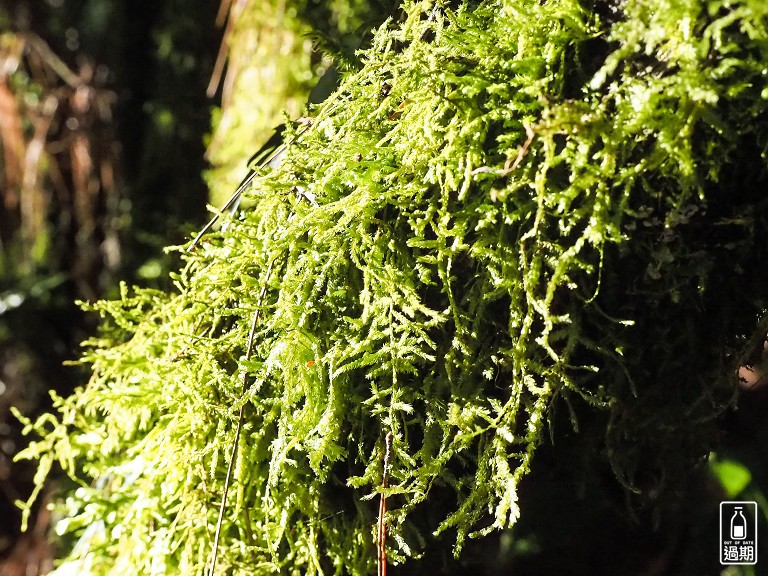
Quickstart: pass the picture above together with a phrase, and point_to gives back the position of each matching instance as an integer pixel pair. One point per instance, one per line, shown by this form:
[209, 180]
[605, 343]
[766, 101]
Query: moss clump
[512, 206]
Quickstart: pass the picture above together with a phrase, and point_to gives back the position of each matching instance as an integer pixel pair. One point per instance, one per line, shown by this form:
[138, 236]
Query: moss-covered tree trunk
[514, 209]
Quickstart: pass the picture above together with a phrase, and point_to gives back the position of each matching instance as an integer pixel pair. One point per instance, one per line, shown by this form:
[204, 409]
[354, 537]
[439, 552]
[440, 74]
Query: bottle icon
[738, 525]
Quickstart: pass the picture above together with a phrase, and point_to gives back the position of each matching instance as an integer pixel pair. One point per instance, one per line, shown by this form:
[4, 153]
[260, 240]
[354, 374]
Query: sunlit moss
[513, 207]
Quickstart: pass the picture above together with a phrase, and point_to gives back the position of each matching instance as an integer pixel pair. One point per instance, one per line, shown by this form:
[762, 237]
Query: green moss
[512, 207]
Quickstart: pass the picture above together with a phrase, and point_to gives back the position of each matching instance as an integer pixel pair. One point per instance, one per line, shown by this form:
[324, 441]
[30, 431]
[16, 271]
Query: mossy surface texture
[514, 209]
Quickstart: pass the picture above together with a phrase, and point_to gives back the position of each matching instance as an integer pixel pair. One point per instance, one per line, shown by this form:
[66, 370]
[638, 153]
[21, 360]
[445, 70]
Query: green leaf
[734, 477]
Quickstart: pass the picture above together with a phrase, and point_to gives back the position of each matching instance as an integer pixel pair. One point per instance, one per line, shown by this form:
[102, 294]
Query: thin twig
[382, 539]
[240, 419]
[221, 58]
[245, 183]
[510, 166]
[55, 63]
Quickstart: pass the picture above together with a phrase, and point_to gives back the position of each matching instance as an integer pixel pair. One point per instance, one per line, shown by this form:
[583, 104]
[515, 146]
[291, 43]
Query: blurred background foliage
[111, 147]
[103, 113]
